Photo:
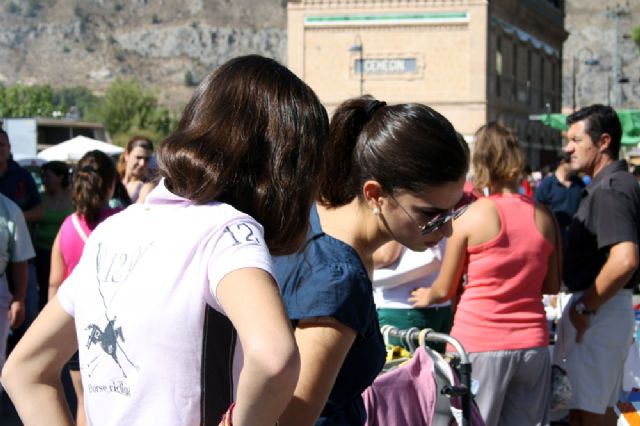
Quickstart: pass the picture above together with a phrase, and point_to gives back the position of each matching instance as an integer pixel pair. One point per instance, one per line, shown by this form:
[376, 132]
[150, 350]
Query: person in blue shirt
[391, 172]
[561, 191]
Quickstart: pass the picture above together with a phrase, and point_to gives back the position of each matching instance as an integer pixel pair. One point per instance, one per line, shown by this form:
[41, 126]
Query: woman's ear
[373, 194]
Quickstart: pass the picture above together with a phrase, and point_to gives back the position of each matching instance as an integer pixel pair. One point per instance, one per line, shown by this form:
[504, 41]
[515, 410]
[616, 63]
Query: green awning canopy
[630, 120]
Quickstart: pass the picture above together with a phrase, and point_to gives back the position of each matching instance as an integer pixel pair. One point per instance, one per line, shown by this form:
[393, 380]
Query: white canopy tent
[74, 149]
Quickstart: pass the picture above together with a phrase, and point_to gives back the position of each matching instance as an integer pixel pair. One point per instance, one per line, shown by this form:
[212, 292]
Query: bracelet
[226, 418]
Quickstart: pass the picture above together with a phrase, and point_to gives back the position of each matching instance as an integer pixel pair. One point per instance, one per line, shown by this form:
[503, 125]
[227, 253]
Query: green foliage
[128, 105]
[26, 101]
[635, 35]
[127, 108]
[78, 98]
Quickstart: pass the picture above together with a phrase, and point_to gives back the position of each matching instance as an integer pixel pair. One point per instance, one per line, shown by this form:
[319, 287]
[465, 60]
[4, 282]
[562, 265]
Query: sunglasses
[440, 219]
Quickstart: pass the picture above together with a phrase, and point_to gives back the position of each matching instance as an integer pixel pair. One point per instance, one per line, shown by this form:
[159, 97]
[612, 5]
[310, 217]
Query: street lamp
[358, 48]
[590, 61]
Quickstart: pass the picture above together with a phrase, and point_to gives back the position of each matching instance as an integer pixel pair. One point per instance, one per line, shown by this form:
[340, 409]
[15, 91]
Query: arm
[34, 214]
[323, 345]
[386, 254]
[56, 274]
[31, 375]
[548, 226]
[271, 361]
[144, 191]
[20, 275]
[445, 286]
[615, 273]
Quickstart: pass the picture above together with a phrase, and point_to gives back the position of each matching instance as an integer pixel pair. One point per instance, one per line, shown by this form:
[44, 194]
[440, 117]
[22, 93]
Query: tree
[127, 105]
[26, 101]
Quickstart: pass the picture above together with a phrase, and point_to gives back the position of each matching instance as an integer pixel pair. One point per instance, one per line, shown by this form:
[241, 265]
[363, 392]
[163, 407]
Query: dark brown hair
[600, 119]
[59, 168]
[134, 142]
[251, 136]
[403, 147]
[92, 182]
[498, 160]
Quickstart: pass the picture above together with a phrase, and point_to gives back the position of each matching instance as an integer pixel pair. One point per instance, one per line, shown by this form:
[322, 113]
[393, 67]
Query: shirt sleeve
[615, 219]
[338, 290]
[20, 245]
[239, 245]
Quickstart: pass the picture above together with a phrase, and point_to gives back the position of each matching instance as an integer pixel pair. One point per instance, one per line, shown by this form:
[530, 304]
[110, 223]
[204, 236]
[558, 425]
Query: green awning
[630, 120]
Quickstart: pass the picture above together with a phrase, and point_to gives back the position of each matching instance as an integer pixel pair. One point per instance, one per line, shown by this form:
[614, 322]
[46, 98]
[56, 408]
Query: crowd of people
[246, 282]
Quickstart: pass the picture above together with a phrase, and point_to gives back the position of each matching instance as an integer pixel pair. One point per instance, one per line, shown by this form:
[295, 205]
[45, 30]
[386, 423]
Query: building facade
[471, 60]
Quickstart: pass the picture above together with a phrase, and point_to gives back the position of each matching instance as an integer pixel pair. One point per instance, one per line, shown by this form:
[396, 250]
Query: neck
[561, 173]
[602, 162]
[509, 189]
[356, 226]
[3, 167]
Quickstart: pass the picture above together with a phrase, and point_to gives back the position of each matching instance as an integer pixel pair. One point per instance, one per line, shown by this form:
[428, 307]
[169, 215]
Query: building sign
[386, 65]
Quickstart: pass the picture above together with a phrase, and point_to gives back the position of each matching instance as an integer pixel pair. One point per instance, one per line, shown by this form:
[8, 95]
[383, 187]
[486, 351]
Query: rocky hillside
[167, 44]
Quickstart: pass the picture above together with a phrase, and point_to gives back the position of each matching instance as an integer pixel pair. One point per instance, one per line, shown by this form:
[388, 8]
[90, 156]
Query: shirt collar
[161, 195]
[608, 170]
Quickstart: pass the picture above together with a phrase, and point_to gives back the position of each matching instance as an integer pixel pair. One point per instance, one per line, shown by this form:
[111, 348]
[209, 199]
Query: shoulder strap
[76, 224]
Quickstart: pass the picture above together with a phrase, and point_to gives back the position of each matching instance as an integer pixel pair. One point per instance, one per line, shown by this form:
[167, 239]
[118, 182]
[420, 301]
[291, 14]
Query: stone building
[472, 60]
[601, 64]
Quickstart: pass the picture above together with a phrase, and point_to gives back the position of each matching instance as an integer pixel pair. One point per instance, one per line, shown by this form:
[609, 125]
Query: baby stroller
[427, 389]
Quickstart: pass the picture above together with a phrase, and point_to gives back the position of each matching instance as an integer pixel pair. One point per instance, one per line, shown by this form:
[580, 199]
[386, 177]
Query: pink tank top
[71, 243]
[501, 305]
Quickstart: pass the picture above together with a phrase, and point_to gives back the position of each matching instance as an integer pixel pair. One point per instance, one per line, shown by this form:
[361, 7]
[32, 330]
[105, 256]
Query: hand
[16, 314]
[420, 297]
[580, 322]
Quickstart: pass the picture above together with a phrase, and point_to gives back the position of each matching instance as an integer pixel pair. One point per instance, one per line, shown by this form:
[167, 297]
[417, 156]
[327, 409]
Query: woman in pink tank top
[93, 185]
[508, 247]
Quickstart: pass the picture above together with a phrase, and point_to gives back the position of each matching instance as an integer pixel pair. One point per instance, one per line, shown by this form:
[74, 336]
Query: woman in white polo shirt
[173, 305]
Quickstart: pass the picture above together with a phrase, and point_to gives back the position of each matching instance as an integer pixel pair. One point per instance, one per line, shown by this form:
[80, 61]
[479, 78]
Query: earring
[376, 211]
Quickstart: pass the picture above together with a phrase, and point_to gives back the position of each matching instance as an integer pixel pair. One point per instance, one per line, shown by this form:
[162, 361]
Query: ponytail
[92, 185]
[340, 177]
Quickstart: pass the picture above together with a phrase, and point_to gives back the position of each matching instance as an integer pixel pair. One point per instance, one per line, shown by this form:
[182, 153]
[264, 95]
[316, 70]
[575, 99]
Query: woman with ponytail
[391, 172]
[92, 187]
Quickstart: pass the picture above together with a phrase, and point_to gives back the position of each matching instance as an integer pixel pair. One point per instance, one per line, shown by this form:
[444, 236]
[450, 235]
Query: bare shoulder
[480, 223]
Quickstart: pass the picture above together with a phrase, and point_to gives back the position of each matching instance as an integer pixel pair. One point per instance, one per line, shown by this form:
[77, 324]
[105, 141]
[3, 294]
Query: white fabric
[392, 285]
[595, 365]
[148, 274]
[15, 244]
[74, 149]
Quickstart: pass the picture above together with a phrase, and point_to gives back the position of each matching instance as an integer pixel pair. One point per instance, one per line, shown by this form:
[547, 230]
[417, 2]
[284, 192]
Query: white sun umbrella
[73, 149]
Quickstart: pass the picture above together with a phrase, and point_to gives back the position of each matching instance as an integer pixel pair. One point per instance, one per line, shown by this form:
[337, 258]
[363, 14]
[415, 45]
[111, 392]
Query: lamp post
[590, 61]
[358, 48]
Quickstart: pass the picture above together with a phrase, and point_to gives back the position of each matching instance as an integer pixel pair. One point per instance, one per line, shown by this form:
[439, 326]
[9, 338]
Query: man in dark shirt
[601, 267]
[561, 191]
[17, 184]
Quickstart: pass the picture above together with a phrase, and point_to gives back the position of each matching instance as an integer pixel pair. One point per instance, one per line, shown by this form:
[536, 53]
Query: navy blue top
[329, 280]
[18, 185]
[562, 201]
